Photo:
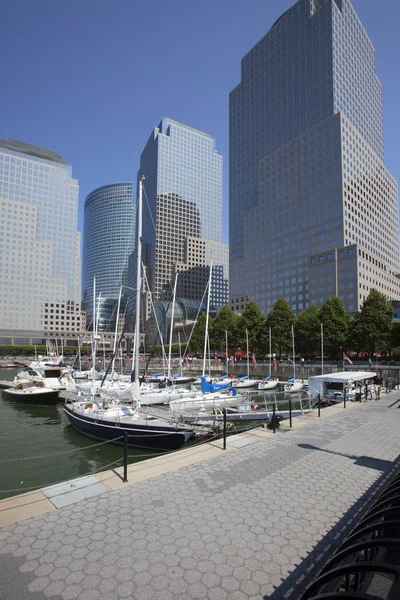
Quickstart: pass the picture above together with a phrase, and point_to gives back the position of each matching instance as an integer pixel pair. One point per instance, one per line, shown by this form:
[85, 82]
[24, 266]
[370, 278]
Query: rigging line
[146, 283]
[194, 325]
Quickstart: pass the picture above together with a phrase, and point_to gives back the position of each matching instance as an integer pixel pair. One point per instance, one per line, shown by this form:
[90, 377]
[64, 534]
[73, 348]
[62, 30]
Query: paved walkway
[257, 522]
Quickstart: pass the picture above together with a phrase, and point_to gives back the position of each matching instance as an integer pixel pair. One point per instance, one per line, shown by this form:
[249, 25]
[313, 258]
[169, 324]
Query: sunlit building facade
[308, 185]
[182, 211]
[40, 288]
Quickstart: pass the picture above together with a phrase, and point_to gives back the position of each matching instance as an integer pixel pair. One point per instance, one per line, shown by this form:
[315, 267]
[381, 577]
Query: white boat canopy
[344, 376]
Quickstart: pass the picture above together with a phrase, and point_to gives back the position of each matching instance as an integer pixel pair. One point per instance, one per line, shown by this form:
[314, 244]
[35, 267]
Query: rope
[11, 460]
[35, 487]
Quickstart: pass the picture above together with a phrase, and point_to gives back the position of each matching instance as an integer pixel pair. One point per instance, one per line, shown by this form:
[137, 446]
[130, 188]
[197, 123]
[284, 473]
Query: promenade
[255, 522]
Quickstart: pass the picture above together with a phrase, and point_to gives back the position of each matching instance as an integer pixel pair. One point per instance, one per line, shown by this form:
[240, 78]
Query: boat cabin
[333, 385]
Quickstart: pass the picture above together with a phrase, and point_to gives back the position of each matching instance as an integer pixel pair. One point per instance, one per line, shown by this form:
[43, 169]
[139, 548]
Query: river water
[28, 430]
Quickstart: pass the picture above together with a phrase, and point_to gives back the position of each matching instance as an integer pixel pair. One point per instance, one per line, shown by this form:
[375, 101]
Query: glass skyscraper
[108, 240]
[39, 246]
[313, 210]
[182, 211]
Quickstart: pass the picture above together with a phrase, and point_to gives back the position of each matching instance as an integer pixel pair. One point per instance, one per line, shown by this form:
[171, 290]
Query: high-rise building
[313, 209]
[108, 240]
[40, 288]
[182, 213]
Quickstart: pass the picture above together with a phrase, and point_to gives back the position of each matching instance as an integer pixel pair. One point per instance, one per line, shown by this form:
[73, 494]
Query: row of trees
[371, 330]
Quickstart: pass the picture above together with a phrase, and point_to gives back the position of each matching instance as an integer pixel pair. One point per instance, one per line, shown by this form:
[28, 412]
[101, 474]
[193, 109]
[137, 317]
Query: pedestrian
[378, 381]
[370, 362]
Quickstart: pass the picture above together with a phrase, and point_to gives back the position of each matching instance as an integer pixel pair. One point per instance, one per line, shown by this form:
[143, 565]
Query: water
[28, 430]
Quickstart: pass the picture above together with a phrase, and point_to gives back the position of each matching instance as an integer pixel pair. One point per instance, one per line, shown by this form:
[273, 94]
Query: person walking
[378, 381]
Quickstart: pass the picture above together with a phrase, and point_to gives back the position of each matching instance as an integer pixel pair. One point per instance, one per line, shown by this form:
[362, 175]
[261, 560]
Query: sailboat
[268, 383]
[293, 384]
[109, 419]
[245, 381]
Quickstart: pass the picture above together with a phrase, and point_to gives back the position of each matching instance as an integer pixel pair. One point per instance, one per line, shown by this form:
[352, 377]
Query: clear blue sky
[91, 78]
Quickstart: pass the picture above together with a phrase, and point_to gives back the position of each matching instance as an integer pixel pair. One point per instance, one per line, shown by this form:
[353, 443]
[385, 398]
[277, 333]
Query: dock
[257, 520]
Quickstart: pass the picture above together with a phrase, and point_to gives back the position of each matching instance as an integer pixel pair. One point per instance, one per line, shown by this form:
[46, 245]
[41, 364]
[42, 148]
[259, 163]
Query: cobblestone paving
[256, 523]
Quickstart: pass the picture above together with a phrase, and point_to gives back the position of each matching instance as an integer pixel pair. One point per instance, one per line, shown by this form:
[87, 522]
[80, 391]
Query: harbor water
[42, 430]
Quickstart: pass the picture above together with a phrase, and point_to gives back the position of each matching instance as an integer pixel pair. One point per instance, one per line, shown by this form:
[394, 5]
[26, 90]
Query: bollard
[319, 405]
[344, 397]
[290, 410]
[125, 456]
[224, 412]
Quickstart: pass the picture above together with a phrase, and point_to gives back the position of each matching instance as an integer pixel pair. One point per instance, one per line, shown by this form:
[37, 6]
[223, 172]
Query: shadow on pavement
[297, 582]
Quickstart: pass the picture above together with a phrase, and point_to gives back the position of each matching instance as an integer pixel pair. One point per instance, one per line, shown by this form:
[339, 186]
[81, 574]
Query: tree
[196, 343]
[281, 319]
[225, 321]
[253, 320]
[373, 325]
[336, 325]
[307, 330]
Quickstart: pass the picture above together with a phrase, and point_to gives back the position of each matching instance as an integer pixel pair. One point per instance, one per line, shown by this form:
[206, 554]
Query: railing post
[274, 418]
[125, 456]
[344, 397]
[319, 405]
[290, 410]
[224, 412]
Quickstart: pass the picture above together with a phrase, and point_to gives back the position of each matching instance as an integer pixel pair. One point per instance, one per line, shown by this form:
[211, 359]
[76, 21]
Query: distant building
[108, 240]
[313, 209]
[40, 288]
[182, 214]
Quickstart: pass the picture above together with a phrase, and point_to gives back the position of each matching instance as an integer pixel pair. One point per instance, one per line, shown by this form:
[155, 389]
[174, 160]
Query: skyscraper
[108, 240]
[182, 212]
[313, 210]
[39, 246]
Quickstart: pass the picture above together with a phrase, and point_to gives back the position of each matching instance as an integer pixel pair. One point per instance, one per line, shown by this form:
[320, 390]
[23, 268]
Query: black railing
[367, 565]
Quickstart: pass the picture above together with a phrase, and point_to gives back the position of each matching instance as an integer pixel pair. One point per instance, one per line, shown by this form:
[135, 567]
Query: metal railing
[367, 565]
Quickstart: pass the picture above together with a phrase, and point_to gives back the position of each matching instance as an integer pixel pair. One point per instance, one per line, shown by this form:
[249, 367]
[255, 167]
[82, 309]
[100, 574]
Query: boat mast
[206, 332]
[171, 327]
[294, 362]
[94, 335]
[138, 278]
[226, 349]
[322, 349]
[270, 352]
[116, 332]
[247, 348]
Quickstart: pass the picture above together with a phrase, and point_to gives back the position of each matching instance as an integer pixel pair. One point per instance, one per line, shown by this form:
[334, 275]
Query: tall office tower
[108, 240]
[39, 246]
[313, 210]
[182, 211]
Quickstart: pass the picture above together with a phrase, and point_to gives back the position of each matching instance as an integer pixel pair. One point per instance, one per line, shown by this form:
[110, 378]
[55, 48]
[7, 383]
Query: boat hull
[139, 436]
[47, 396]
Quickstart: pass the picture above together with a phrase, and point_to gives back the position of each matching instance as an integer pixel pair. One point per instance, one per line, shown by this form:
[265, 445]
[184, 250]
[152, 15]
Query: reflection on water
[30, 430]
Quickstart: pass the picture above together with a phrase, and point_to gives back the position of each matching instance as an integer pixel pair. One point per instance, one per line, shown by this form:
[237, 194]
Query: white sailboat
[109, 419]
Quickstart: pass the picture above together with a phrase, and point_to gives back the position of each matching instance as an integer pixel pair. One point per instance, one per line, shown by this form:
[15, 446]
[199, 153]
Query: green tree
[336, 325]
[253, 320]
[373, 325]
[196, 343]
[280, 319]
[307, 329]
[225, 321]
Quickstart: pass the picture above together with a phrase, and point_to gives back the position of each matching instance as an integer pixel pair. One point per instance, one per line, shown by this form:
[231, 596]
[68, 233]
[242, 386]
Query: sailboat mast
[270, 352]
[94, 332]
[116, 331]
[226, 350]
[322, 349]
[138, 279]
[206, 332]
[247, 348]
[171, 327]
[294, 361]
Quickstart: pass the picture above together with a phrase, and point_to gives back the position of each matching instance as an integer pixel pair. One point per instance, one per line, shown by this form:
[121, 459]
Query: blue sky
[91, 78]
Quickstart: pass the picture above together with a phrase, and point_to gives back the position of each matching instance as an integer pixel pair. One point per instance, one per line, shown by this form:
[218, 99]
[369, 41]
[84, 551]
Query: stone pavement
[255, 523]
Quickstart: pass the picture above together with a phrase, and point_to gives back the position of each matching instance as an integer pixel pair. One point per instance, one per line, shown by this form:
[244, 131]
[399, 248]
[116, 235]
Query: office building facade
[182, 212]
[108, 240]
[40, 288]
[308, 185]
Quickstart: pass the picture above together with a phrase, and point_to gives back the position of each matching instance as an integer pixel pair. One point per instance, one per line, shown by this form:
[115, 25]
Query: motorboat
[29, 374]
[32, 390]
